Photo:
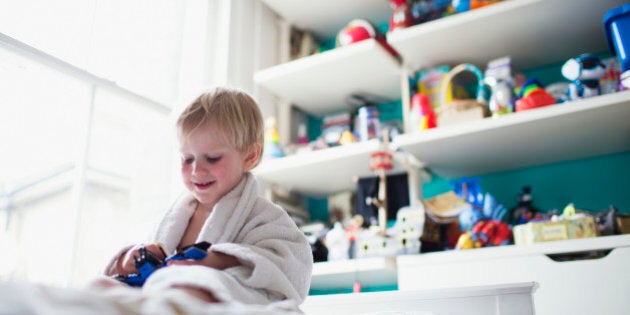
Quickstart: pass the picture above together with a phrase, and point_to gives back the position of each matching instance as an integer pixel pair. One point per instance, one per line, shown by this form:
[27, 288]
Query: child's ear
[253, 156]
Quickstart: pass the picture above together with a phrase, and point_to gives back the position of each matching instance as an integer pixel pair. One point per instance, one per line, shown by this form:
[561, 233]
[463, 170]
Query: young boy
[258, 255]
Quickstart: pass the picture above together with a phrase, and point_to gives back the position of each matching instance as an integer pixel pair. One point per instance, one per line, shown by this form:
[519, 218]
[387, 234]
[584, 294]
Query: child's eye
[187, 160]
[213, 159]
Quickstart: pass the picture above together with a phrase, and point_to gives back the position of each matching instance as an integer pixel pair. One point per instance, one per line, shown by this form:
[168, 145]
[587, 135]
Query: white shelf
[575, 130]
[322, 172]
[370, 272]
[532, 32]
[515, 251]
[326, 17]
[321, 83]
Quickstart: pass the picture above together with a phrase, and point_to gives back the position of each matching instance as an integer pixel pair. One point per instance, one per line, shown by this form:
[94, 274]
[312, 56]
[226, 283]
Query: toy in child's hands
[584, 72]
[197, 251]
[147, 262]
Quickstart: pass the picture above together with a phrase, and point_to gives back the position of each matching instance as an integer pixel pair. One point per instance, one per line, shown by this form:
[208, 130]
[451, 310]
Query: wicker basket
[459, 111]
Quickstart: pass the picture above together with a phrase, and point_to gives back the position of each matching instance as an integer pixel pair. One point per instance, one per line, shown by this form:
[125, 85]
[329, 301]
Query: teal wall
[590, 184]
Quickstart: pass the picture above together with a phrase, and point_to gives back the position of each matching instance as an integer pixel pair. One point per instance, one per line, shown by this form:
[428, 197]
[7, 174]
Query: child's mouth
[203, 185]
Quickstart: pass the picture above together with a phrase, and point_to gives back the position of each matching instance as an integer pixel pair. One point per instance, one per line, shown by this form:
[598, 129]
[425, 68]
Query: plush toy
[584, 72]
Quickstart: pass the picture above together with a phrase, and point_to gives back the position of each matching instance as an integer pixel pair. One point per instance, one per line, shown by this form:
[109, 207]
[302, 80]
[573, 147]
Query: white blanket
[26, 298]
[276, 259]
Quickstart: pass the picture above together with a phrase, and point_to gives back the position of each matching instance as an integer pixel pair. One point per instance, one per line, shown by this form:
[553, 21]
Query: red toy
[492, 233]
[426, 115]
[401, 14]
[356, 31]
[533, 95]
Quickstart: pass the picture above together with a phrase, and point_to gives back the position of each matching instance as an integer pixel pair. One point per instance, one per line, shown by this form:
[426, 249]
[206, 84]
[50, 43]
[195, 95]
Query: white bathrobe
[275, 258]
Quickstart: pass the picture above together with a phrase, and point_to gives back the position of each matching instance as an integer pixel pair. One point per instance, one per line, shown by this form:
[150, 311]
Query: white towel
[276, 259]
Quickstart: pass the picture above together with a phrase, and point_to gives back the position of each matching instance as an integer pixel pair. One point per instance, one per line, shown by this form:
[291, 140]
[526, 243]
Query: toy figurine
[401, 15]
[498, 76]
[525, 210]
[584, 72]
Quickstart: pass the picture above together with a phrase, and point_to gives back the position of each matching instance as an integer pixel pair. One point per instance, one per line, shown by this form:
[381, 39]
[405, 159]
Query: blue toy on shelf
[617, 26]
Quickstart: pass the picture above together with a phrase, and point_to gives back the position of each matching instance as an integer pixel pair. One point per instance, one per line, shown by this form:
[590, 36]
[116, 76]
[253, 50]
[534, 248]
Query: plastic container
[369, 127]
[617, 26]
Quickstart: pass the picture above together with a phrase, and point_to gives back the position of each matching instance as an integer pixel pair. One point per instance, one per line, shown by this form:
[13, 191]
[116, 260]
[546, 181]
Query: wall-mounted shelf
[533, 32]
[574, 130]
[324, 18]
[319, 173]
[321, 83]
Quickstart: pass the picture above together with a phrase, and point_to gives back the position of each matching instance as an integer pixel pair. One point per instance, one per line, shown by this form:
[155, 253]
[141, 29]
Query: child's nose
[199, 168]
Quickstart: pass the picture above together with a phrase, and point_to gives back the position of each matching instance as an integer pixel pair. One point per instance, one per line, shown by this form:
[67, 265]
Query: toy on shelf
[499, 78]
[584, 72]
[430, 81]
[570, 225]
[428, 10]
[359, 30]
[485, 233]
[484, 227]
[369, 125]
[525, 210]
[401, 15]
[458, 111]
[533, 95]
[466, 5]
[381, 162]
[617, 26]
[421, 115]
[272, 139]
[611, 82]
[337, 242]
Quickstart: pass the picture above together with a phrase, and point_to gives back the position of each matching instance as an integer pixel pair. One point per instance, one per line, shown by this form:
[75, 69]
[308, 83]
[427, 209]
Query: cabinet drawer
[585, 286]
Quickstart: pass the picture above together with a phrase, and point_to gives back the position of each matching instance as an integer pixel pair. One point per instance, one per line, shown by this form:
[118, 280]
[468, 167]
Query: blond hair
[235, 112]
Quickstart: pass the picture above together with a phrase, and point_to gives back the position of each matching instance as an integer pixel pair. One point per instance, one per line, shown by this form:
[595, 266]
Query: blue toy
[147, 263]
[584, 72]
[617, 27]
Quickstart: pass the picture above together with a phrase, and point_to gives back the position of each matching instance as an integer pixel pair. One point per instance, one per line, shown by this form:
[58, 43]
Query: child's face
[211, 167]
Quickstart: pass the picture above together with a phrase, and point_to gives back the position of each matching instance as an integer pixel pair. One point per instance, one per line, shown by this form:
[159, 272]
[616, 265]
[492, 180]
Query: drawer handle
[585, 255]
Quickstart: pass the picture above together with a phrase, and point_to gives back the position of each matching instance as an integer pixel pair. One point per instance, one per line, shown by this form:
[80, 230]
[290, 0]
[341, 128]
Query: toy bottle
[422, 115]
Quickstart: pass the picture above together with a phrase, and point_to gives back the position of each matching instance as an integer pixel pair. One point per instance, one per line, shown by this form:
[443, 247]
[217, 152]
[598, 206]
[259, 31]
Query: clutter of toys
[461, 219]
[443, 95]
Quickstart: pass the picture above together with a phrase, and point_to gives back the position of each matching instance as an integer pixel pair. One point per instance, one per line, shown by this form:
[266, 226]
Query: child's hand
[126, 265]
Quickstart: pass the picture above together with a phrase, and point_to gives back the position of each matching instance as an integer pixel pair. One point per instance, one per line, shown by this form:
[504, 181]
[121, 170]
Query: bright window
[86, 90]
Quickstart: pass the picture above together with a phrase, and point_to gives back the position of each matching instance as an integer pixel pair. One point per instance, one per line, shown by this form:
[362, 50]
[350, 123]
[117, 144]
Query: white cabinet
[583, 286]
[532, 32]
